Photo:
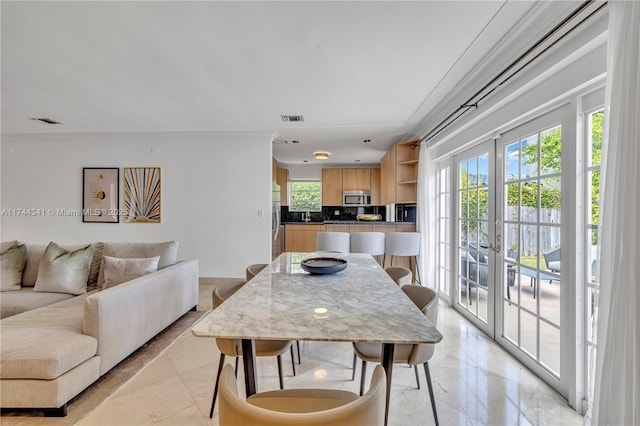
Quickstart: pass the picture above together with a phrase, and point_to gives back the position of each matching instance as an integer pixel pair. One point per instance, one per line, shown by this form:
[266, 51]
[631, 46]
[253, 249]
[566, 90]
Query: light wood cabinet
[399, 174]
[332, 227]
[356, 179]
[388, 177]
[283, 180]
[375, 187]
[331, 187]
[301, 237]
[349, 180]
[407, 172]
[334, 181]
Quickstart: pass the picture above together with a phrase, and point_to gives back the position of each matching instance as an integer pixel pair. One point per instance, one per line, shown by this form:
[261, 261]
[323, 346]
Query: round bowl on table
[323, 265]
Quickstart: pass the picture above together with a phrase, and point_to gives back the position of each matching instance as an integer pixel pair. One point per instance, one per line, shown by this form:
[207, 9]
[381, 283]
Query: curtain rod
[469, 104]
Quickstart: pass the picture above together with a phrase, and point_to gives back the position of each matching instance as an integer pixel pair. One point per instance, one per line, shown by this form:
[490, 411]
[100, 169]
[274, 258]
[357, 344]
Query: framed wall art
[142, 194]
[100, 196]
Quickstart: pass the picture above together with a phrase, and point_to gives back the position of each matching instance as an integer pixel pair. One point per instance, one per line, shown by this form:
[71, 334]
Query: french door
[508, 238]
[475, 230]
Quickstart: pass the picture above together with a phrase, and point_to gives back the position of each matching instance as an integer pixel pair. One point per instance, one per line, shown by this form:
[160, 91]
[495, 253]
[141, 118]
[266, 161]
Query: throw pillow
[167, 250]
[117, 270]
[12, 261]
[64, 271]
[6, 245]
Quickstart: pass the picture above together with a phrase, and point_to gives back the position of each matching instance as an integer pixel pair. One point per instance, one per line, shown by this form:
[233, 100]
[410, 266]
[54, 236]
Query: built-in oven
[356, 199]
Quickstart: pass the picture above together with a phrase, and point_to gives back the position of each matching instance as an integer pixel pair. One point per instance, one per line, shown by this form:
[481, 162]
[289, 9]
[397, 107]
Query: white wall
[213, 187]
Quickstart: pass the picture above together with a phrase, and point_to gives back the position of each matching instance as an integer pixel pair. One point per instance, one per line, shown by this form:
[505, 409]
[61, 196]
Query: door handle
[495, 248]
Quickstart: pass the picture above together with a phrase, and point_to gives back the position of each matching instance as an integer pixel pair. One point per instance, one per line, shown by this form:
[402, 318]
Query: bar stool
[368, 242]
[403, 244]
[338, 242]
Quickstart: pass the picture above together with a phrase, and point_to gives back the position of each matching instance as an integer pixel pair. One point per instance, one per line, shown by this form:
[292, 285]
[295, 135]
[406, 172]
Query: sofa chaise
[61, 343]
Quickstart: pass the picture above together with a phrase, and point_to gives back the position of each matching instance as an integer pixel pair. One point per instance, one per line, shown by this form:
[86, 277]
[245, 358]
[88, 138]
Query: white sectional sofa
[51, 353]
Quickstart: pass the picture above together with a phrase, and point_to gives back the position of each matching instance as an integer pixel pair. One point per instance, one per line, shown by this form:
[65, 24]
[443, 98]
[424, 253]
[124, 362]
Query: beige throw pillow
[6, 245]
[62, 271]
[117, 270]
[12, 261]
[166, 250]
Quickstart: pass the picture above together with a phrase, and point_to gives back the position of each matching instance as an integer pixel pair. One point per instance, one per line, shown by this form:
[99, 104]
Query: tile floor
[475, 382]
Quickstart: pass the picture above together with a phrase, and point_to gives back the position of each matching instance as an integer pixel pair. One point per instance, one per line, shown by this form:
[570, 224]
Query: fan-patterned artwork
[142, 194]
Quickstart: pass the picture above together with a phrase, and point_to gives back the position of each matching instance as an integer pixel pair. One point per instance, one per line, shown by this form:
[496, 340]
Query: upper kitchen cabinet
[282, 178]
[375, 187]
[399, 174]
[356, 179]
[331, 187]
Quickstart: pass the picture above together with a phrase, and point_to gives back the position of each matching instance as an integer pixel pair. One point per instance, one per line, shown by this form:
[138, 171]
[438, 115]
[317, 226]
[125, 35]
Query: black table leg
[387, 364]
[249, 362]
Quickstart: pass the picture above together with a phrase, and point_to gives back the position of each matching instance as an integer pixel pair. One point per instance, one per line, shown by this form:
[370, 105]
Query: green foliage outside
[305, 196]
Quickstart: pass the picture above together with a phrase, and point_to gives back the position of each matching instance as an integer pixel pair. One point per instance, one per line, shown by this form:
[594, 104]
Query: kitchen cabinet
[301, 237]
[356, 179]
[362, 228]
[399, 174]
[282, 178]
[337, 227]
[388, 177]
[331, 187]
[375, 187]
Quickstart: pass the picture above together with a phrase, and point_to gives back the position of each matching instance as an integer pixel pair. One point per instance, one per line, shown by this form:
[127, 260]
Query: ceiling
[354, 70]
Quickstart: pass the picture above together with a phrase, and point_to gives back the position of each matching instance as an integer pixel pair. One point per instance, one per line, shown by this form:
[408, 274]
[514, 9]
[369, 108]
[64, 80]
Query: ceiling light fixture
[321, 155]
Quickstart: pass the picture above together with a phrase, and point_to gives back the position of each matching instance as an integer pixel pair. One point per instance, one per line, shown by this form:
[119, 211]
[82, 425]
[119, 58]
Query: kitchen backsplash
[329, 213]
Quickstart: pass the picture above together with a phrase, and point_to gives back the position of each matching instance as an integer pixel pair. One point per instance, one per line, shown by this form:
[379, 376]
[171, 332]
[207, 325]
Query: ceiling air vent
[47, 120]
[292, 118]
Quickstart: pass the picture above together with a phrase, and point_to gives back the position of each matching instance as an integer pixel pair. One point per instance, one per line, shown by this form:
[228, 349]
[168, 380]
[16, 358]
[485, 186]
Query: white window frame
[292, 191]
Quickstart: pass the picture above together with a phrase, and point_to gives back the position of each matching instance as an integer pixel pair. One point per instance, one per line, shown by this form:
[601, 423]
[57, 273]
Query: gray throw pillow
[117, 270]
[62, 271]
[13, 261]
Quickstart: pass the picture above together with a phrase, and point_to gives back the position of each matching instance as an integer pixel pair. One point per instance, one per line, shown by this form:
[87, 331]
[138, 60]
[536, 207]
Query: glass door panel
[530, 184]
[475, 294]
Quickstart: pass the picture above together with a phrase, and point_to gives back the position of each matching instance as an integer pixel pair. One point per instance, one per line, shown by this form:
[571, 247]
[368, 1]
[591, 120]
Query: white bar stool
[368, 242]
[403, 244]
[337, 242]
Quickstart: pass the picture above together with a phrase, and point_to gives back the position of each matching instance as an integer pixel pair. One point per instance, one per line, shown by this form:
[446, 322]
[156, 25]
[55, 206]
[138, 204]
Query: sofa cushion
[119, 270]
[43, 353]
[62, 271]
[46, 342]
[25, 299]
[12, 264]
[36, 250]
[166, 250]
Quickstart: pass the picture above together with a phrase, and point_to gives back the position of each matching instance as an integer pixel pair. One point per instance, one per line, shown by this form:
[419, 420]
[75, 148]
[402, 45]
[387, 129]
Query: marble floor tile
[475, 382]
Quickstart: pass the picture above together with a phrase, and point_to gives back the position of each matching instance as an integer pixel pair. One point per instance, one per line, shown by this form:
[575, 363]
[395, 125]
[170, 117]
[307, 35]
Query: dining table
[360, 303]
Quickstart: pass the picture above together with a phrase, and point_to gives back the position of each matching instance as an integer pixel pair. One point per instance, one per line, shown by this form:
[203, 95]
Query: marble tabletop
[283, 302]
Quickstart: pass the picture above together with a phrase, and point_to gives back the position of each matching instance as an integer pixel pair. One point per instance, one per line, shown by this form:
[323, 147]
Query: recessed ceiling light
[321, 155]
[366, 140]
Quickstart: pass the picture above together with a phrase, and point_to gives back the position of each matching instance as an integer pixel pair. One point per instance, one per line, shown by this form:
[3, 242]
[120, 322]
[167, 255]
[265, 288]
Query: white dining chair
[403, 244]
[337, 242]
[368, 242]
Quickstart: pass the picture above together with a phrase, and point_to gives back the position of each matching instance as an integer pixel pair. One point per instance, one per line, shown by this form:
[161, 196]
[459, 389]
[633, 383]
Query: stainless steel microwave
[356, 198]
